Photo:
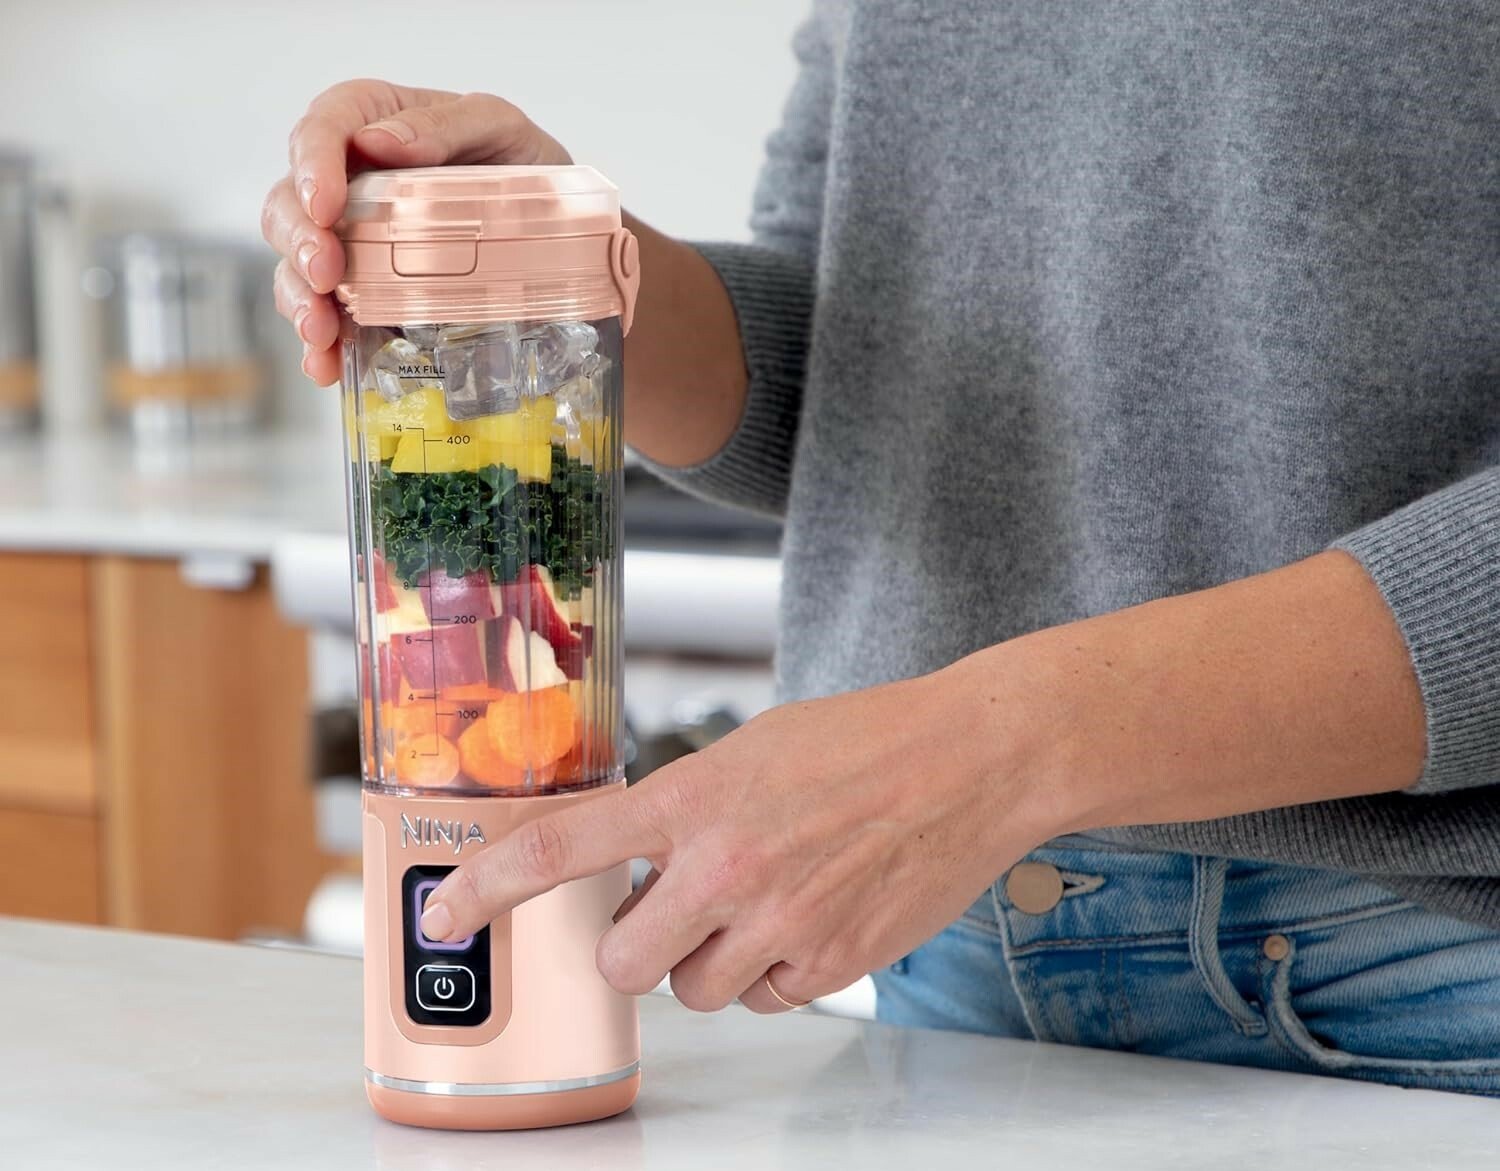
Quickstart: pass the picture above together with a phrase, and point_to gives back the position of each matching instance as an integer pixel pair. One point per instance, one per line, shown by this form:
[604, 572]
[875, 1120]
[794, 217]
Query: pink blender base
[559, 1045]
[512, 1112]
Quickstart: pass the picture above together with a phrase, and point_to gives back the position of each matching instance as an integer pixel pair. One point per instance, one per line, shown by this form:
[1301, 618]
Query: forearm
[1288, 687]
[685, 378]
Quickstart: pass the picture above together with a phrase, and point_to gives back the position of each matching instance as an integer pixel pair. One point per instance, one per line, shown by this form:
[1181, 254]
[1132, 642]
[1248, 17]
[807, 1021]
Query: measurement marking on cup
[431, 642]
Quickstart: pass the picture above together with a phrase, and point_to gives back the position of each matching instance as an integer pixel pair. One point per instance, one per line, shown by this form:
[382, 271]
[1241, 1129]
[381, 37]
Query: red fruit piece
[387, 674]
[448, 598]
[446, 656]
[530, 599]
[520, 660]
[385, 591]
[572, 658]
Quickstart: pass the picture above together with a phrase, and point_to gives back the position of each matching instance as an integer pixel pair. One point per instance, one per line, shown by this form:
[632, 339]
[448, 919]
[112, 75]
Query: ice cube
[481, 368]
[558, 352]
[401, 366]
[580, 407]
[464, 331]
[425, 336]
[583, 397]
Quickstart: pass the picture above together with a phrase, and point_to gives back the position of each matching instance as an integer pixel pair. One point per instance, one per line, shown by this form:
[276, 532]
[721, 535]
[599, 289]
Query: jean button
[1034, 888]
[1276, 948]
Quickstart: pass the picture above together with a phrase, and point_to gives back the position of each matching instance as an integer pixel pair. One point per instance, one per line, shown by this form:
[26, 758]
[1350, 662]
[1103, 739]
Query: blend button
[445, 988]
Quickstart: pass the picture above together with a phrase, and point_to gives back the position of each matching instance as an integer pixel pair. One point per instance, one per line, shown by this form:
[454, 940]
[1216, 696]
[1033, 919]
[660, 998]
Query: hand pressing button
[445, 988]
[420, 893]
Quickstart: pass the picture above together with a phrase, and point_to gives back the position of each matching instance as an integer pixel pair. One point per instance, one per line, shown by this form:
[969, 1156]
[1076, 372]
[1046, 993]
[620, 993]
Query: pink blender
[485, 312]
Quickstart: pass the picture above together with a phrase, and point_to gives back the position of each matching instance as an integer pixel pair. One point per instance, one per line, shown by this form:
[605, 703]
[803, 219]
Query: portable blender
[485, 311]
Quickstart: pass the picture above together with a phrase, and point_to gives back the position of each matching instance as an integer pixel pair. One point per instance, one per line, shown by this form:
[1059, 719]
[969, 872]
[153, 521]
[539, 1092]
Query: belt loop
[1203, 945]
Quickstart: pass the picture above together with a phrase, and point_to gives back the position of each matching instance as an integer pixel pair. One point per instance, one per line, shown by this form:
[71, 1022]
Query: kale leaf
[461, 522]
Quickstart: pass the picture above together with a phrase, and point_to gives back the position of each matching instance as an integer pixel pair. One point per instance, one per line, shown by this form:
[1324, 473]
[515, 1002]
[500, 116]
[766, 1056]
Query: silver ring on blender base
[499, 1089]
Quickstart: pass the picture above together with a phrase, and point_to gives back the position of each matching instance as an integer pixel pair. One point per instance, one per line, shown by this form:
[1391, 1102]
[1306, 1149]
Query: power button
[445, 988]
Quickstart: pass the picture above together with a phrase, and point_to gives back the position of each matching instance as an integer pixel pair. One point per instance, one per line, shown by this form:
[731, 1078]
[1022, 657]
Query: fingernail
[307, 189]
[306, 254]
[299, 320]
[437, 922]
[400, 131]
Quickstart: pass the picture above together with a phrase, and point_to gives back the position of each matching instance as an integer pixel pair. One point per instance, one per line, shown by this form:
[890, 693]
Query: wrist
[1017, 719]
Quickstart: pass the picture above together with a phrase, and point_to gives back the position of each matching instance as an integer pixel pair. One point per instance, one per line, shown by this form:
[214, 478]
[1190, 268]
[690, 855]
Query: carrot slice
[470, 692]
[586, 755]
[484, 766]
[427, 760]
[533, 728]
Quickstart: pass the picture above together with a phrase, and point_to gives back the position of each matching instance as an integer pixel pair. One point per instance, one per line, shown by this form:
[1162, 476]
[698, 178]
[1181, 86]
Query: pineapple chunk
[532, 423]
[593, 444]
[453, 453]
[424, 439]
[410, 454]
[421, 409]
[494, 430]
[533, 461]
[380, 442]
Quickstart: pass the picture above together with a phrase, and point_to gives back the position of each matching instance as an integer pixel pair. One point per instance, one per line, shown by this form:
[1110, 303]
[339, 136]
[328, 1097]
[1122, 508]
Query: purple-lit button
[419, 895]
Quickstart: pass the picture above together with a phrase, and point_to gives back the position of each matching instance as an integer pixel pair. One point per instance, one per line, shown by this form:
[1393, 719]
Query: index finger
[576, 842]
[318, 149]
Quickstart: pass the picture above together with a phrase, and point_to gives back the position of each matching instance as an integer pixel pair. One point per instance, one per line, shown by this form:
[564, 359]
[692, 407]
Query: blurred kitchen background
[177, 742]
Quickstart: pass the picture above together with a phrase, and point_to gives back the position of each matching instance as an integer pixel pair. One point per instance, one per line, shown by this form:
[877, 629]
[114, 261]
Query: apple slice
[573, 656]
[532, 599]
[572, 611]
[446, 598]
[385, 590]
[527, 662]
[406, 616]
[445, 656]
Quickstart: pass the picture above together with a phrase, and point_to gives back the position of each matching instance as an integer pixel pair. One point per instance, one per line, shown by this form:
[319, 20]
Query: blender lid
[493, 202]
[473, 244]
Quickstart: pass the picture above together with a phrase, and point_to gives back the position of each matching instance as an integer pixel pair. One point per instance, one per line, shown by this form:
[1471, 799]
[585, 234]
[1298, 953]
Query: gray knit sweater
[1056, 307]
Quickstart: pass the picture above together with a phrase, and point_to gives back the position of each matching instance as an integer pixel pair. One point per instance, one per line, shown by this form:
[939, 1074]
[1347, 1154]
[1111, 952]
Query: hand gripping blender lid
[485, 313]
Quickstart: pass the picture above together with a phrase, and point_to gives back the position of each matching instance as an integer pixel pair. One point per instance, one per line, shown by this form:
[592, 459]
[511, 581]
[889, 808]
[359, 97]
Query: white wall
[160, 114]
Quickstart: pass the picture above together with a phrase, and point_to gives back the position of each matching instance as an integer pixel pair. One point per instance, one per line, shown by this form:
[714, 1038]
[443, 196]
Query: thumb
[476, 128]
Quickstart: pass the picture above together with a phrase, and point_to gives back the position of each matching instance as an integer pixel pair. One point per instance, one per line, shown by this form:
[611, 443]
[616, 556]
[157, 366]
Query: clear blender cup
[485, 313]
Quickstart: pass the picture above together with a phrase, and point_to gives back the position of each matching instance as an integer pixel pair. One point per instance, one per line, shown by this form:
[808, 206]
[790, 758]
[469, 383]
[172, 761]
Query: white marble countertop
[97, 493]
[132, 1051]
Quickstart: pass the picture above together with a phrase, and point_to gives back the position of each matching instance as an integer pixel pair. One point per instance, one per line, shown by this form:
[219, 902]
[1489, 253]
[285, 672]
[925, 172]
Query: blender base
[448, 1111]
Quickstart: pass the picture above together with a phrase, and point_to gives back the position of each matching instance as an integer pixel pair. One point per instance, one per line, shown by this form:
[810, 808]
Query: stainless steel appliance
[18, 334]
[180, 341]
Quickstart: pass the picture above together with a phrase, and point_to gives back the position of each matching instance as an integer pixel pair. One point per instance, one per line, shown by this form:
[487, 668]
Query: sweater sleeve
[771, 284]
[1437, 563]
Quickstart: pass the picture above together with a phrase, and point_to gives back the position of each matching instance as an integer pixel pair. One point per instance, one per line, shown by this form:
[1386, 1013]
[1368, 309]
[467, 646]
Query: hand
[818, 842]
[825, 839]
[359, 125]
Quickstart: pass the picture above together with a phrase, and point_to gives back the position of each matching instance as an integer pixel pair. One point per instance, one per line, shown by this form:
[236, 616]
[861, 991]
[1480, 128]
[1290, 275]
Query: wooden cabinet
[50, 865]
[48, 753]
[154, 740]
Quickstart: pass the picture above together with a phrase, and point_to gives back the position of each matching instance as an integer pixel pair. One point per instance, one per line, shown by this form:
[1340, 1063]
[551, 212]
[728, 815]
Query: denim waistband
[1114, 893]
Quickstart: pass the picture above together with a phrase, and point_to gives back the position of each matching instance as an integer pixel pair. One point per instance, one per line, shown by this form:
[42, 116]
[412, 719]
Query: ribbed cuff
[1437, 562]
[772, 295]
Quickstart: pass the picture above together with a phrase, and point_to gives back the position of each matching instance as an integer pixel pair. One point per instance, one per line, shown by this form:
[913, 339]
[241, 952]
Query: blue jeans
[1210, 960]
